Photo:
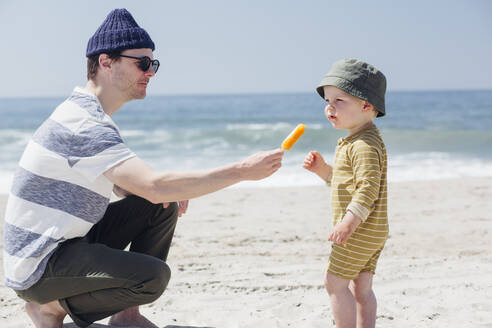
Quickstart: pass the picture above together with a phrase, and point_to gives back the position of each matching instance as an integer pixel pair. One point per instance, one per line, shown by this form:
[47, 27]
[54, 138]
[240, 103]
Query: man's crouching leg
[121, 302]
[132, 316]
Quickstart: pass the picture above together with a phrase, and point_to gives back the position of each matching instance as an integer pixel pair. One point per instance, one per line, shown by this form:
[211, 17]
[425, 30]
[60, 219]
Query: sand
[245, 257]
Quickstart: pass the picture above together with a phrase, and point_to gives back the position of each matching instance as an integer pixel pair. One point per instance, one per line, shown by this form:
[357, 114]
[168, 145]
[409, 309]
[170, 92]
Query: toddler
[354, 94]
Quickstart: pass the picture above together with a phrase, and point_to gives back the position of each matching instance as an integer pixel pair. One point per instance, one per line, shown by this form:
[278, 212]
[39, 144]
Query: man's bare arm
[136, 177]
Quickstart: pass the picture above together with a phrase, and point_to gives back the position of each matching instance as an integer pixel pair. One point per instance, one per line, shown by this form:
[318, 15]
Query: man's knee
[158, 207]
[158, 276]
[162, 275]
[172, 209]
[169, 213]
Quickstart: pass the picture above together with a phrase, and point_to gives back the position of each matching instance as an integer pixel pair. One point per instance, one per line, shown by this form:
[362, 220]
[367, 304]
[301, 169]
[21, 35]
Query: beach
[255, 257]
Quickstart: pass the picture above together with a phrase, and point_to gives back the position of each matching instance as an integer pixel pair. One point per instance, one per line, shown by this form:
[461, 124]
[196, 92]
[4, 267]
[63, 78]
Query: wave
[418, 166]
[278, 126]
[429, 135]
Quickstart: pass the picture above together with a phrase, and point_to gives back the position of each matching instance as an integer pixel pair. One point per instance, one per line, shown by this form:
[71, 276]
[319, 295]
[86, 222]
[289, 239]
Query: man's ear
[105, 62]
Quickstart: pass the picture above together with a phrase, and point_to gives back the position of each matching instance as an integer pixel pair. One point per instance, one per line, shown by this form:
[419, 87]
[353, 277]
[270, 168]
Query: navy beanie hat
[119, 31]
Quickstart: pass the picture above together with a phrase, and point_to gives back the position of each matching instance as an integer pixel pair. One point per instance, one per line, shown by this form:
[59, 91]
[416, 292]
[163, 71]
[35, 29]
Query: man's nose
[150, 72]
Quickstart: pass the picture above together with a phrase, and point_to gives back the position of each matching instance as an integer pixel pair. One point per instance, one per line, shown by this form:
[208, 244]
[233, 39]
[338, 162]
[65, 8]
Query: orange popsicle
[293, 136]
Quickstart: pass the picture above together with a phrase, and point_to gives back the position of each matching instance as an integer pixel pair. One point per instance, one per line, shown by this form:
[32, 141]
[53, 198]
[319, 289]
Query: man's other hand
[182, 206]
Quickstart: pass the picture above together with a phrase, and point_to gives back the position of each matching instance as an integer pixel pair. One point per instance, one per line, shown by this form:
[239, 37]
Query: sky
[253, 46]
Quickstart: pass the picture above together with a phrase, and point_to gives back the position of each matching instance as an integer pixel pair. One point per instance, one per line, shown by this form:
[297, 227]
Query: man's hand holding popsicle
[263, 164]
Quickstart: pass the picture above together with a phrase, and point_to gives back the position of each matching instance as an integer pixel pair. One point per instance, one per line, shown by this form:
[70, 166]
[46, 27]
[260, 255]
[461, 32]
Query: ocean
[429, 135]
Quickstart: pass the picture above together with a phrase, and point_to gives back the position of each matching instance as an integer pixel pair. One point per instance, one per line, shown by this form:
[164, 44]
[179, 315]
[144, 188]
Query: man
[63, 241]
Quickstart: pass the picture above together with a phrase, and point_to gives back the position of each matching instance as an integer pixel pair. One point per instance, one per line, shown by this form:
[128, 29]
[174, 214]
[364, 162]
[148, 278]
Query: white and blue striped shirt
[59, 191]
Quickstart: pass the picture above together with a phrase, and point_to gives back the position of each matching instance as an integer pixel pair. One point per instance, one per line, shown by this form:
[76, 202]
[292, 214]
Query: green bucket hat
[359, 79]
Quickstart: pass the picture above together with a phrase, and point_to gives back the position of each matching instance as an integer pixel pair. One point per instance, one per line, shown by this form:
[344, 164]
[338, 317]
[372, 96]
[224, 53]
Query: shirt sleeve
[329, 180]
[96, 149]
[366, 165]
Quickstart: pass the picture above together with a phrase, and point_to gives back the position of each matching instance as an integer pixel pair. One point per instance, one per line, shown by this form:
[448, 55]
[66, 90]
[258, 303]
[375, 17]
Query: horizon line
[249, 93]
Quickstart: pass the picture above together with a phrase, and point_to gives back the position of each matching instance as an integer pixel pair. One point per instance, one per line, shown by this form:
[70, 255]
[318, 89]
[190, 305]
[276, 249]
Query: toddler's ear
[367, 106]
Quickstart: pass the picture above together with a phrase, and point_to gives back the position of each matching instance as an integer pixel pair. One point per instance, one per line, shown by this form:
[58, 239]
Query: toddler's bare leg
[49, 315]
[342, 301]
[366, 300]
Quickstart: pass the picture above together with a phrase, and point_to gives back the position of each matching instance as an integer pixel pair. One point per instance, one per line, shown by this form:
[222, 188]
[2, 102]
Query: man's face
[128, 78]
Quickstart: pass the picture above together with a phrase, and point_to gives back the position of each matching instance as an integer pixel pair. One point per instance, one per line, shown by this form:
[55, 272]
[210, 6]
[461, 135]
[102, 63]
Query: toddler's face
[344, 111]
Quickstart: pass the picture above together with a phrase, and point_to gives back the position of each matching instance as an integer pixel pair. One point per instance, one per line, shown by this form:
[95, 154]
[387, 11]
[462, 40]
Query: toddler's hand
[344, 229]
[315, 163]
[340, 233]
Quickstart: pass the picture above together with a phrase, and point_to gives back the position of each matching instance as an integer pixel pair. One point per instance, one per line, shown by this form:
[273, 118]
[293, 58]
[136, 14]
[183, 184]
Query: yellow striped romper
[359, 184]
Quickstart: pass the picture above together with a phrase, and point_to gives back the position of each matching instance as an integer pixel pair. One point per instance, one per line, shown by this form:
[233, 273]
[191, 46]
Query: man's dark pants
[93, 277]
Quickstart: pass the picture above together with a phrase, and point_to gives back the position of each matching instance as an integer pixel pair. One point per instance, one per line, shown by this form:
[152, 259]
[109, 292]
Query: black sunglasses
[144, 63]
